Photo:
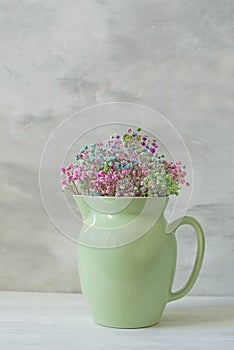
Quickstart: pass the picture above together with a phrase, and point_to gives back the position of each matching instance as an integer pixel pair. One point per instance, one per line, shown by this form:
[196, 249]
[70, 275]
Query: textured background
[57, 57]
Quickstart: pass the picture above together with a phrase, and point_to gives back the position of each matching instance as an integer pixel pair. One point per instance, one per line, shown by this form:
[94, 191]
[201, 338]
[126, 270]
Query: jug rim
[121, 197]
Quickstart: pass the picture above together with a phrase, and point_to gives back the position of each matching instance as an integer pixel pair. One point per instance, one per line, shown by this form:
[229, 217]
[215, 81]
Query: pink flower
[63, 182]
[69, 167]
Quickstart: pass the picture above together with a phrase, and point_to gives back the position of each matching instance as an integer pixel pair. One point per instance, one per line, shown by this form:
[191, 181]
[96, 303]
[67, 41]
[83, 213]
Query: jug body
[127, 282]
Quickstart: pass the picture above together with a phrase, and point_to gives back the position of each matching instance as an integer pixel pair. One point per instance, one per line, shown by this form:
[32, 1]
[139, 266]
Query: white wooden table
[63, 322]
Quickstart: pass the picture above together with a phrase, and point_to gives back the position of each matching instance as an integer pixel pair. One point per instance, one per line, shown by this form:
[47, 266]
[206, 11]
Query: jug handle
[188, 220]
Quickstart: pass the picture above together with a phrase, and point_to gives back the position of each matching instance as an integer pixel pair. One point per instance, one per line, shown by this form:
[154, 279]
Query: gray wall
[57, 57]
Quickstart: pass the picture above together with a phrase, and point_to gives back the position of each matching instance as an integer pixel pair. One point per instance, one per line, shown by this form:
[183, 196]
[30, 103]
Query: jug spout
[83, 206]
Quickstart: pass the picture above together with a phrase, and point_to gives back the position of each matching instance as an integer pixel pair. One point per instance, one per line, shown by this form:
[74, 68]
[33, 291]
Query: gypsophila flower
[125, 165]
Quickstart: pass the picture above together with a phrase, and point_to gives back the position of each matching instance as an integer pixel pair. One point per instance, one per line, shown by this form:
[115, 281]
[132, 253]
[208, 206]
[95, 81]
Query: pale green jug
[127, 259]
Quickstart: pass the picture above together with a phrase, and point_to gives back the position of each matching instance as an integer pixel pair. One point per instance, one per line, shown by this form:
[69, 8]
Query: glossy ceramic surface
[129, 285]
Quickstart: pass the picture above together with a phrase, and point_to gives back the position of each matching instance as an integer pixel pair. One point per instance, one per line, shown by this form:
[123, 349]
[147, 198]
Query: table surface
[62, 321]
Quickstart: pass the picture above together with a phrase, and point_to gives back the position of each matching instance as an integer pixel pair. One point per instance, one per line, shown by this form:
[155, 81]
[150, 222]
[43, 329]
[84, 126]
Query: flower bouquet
[126, 165]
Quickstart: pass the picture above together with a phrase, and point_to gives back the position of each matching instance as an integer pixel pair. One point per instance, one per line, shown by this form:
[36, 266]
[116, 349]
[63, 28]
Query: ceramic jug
[127, 259]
